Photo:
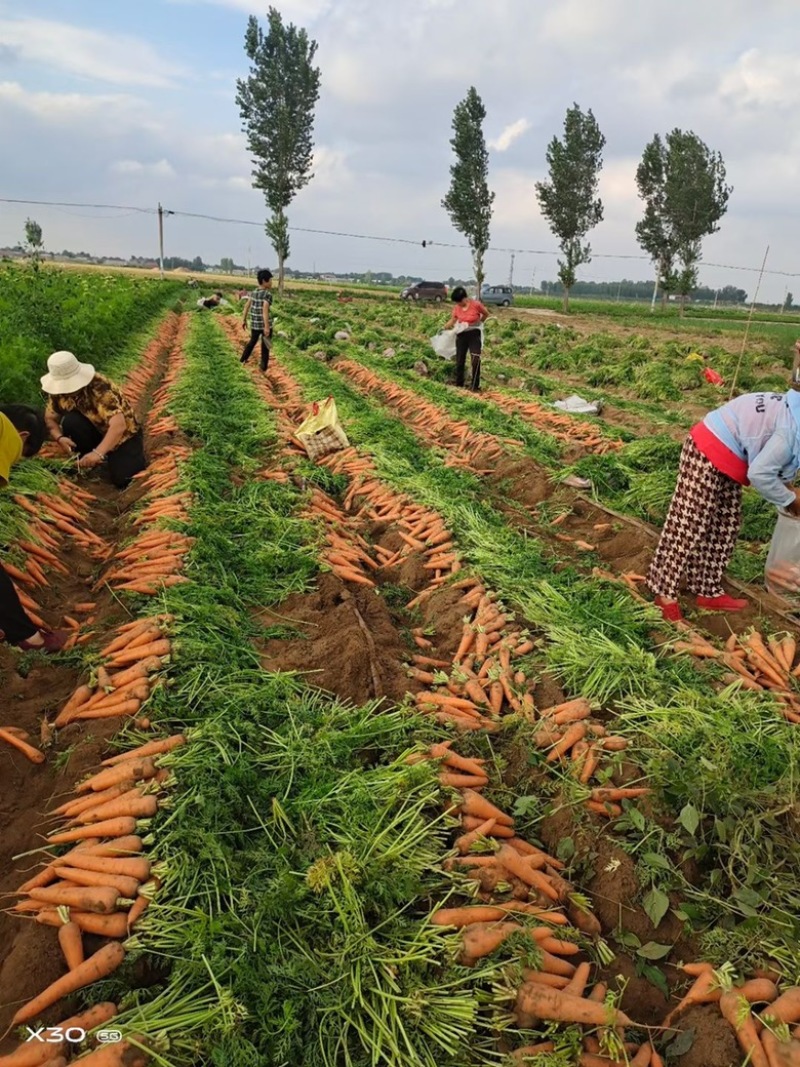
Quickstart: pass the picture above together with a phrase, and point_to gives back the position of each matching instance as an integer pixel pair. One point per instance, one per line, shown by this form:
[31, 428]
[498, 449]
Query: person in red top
[467, 318]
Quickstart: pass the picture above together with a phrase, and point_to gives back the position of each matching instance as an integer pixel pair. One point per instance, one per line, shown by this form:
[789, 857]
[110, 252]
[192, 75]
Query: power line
[377, 237]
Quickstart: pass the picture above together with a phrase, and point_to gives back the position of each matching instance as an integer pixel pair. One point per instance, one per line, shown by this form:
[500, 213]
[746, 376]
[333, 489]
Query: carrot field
[386, 759]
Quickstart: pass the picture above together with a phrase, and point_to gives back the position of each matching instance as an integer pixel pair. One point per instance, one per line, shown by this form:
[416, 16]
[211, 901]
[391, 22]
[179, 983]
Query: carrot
[121, 884]
[696, 969]
[100, 899]
[471, 822]
[575, 733]
[161, 647]
[114, 925]
[462, 781]
[758, 991]
[109, 828]
[103, 963]
[31, 753]
[466, 841]
[135, 867]
[732, 1006]
[138, 908]
[605, 808]
[555, 981]
[467, 915]
[108, 710]
[120, 1054]
[786, 1009]
[520, 868]
[481, 939]
[132, 771]
[554, 1005]
[611, 793]
[703, 991]
[139, 670]
[70, 939]
[476, 805]
[577, 984]
[643, 1056]
[78, 698]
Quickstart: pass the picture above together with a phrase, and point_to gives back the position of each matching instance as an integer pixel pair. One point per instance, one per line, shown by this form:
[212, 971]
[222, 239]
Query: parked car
[425, 291]
[497, 294]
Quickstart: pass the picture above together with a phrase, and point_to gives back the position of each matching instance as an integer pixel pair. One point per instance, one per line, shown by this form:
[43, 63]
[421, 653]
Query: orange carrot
[31, 753]
[466, 841]
[132, 771]
[160, 647]
[786, 1009]
[703, 991]
[100, 899]
[467, 915]
[114, 925]
[476, 805]
[109, 828]
[103, 963]
[575, 733]
[733, 1005]
[554, 1005]
[125, 887]
[136, 867]
[70, 939]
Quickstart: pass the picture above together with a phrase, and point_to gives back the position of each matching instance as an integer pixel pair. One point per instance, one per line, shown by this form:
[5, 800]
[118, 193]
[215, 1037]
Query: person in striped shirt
[258, 306]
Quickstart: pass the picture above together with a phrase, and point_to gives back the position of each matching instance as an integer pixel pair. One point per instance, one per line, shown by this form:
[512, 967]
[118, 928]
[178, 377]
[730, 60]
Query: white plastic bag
[444, 344]
[782, 572]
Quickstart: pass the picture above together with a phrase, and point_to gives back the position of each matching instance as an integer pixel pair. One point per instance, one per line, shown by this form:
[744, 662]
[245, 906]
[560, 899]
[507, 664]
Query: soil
[714, 1042]
[35, 688]
[334, 652]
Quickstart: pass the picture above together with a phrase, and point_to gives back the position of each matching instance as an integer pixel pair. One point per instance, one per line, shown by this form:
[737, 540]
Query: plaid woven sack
[322, 432]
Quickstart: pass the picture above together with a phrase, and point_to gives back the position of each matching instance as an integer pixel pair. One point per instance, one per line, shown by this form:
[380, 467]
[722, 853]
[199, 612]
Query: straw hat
[66, 375]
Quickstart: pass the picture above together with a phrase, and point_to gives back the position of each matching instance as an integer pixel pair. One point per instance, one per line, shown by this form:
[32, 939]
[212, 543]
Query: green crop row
[99, 317]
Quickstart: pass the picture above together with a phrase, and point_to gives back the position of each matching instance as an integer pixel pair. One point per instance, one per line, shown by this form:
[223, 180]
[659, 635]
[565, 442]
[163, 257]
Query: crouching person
[88, 415]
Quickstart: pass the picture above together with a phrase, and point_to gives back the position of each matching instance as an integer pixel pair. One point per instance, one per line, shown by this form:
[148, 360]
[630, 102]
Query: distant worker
[340, 296]
[752, 440]
[259, 306]
[210, 301]
[88, 415]
[21, 434]
[468, 317]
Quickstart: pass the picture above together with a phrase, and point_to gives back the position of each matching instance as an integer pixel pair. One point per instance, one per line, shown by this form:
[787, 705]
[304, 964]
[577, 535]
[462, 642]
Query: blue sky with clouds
[134, 103]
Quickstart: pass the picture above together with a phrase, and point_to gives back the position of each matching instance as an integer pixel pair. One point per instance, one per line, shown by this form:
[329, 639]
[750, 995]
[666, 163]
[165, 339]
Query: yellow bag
[322, 432]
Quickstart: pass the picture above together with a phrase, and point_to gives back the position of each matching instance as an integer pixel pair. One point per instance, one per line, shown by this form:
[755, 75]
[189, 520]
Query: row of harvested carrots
[566, 428]
[468, 449]
[103, 884]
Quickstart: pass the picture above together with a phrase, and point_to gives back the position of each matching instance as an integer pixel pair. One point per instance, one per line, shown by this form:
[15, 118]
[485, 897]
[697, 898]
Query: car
[497, 294]
[425, 291]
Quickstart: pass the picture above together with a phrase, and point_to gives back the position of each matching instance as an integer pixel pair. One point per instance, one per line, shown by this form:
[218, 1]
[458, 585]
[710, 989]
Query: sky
[134, 104]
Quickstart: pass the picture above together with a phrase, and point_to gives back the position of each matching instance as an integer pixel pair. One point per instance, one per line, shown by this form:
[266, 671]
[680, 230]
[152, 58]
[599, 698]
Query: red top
[718, 454]
[472, 312]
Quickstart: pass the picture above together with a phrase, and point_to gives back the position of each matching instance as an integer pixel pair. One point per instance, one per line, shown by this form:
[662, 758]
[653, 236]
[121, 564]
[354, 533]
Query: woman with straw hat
[88, 415]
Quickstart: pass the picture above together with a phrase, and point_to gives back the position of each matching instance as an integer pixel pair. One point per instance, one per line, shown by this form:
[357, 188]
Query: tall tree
[469, 200]
[682, 184]
[569, 199]
[34, 242]
[276, 102]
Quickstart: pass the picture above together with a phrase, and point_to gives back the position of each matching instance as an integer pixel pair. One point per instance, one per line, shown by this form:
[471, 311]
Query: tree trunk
[281, 263]
[477, 262]
[683, 305]
[566, 300]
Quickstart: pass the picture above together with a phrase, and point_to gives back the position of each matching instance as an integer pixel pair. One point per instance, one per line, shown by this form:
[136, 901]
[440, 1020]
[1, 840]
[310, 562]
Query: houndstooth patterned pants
[700, 530]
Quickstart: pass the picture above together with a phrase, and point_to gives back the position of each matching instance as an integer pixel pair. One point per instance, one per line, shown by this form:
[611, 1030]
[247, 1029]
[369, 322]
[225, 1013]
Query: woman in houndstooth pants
[752, 440]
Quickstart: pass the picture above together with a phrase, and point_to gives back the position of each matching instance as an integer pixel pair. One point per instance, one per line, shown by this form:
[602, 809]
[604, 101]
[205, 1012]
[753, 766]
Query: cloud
[297, 11]
[119, 59]
[73, 109]
[759, 80]
[162, 169]
[509, 135]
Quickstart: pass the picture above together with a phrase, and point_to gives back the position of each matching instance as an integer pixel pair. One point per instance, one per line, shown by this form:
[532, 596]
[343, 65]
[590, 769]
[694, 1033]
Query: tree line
[630, 290]
[680, 180]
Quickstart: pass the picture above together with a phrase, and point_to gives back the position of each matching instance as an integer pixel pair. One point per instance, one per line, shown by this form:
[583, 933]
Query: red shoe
[670, 609]
[53, 641]
[721, 603]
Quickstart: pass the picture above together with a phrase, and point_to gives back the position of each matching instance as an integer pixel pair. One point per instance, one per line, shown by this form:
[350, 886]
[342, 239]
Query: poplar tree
[568, 199]
[469, 200]
[276, 103]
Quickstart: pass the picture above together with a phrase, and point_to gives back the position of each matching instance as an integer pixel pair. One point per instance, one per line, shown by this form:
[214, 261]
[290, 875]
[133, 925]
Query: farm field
[386, 758]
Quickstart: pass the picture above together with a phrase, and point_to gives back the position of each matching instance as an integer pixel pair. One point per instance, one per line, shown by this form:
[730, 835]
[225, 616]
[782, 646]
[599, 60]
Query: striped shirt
[258, 298]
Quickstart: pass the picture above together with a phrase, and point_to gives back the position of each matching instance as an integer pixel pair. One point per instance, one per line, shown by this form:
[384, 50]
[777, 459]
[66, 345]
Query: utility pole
[161, 214]
[533, 282]
[511, 272]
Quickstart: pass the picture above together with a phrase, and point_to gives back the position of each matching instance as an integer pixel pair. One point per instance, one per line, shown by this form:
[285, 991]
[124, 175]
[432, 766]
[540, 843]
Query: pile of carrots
[764, 665]
[470, 449]
[52, 519]
[168, 340]
[564, 428]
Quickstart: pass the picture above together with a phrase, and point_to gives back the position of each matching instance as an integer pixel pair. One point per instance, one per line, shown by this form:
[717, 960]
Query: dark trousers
[469, 341]
[251, 344]
[14, 623]
[126, 460]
